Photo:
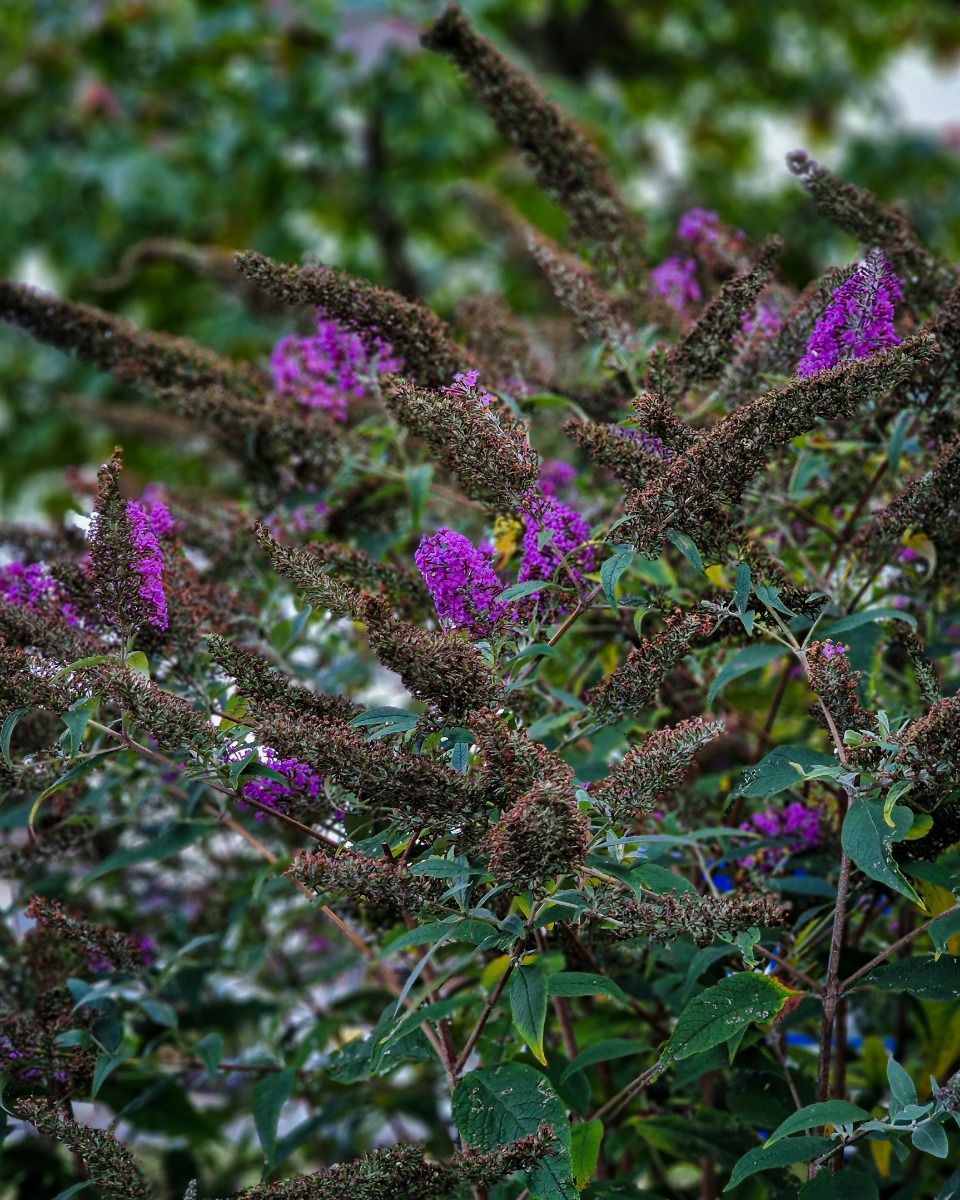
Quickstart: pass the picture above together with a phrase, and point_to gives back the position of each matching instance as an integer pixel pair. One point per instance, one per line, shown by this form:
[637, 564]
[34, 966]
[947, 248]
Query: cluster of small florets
[765, 320]
[675, 280]
[796, 821]
[149, 559]
[555, 475]
[858, 320]
[462, 582]
[554, 543]
[698, 225]
[465, 384]
[32, 586]
[328, 369]
[302, 783]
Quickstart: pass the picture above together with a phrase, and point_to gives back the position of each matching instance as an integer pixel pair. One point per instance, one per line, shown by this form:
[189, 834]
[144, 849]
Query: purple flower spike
[675, 279]
[568, 532]
[858, 320]
[149, 563]
[462, 582]
[698, 225]
[302, 783]
[328, 369]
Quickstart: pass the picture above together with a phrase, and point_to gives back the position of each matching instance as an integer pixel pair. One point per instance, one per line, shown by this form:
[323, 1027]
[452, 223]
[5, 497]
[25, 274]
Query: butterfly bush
[858, 321]
[331, 367]
[315, 847]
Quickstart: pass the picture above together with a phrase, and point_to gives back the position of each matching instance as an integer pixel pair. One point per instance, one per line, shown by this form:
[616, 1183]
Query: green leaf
[165, 845]
[104, 1067]
[903, 1091]
[845, 1185]
[828, 1112]
[931, 1139]
[210, 1052]
[724, 1010]
[497, 1105]
[926, 977]
[784, 1154]
[468, 930]
[770, 596]
[741, 588]
[418, 479]
[6, 733]
[585, 1139]
[75, 1190]
[611, 571]
[582, 983]
[898, 432]
[660, 880]
[391, 1030]
[401, 718]
[866, 838]
[750, 658]
[855, 620]
[603, 1051]
[138, 661]
[944, 928]
[774, 773]
[269, 1097]
[687, 548]
[519, 590]
[527, 993]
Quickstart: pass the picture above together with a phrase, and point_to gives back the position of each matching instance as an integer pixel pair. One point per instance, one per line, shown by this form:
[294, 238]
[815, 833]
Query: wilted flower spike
[149, 563]
[462, 582]
[859, 319]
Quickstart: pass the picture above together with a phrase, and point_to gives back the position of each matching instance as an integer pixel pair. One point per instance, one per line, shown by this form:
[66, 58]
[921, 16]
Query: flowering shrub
[576, 811]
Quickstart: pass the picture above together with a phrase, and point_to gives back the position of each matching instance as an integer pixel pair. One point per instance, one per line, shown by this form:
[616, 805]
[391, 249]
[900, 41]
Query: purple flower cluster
[32, 586]
[675, 279]
[646, 442]
[698, 225]
[796, 821]
[465, 384]
[326, 370]
[553, 542]
[462, 582]
[555, 474]
[149, 563]
[302, 783]
[830, 650]
[766, 319]
[858, 321]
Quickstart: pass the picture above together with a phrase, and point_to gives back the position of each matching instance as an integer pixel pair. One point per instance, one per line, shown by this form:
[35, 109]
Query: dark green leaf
[687, 548]
[585, 1139]
[843, 1185]
[519, 590]
[527, 993]
[855, 620]
[497, 1105]
[774, 774]
[174, 839]
[210, 1052]
[611, 571]
[604, 1051]
[828, 1112]
[927, 977]
[866, 837]
[750, 658]
[6, 733]
[582, 983]
[783, 1154]
[724, 1010]
[269, 1097]
[931, 1139]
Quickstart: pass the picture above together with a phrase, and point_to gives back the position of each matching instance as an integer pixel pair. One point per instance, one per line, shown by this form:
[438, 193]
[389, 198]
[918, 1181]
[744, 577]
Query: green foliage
[491, 806]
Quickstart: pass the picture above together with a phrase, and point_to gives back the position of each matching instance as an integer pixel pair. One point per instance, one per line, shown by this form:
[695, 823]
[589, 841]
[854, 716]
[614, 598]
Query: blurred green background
[310, 127]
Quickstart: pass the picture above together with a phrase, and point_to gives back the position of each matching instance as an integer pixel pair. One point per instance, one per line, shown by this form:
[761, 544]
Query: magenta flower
[765, 319]
[553, 545]
[32, 586]
[302, 783]
[326, 370]
[465, 384]
[858, 321]
[149, 564]
[462, 582]
[698, 225]
[556, 474]
[795, 821]
[675, 279]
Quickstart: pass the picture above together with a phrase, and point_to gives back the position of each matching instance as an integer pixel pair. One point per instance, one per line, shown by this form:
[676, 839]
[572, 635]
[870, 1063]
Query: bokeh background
[140, 140]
